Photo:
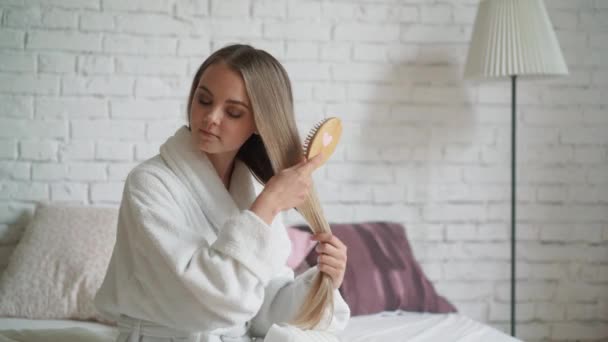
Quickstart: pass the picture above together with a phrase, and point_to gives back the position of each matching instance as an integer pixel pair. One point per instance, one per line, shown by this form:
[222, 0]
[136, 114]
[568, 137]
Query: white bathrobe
[192, 263]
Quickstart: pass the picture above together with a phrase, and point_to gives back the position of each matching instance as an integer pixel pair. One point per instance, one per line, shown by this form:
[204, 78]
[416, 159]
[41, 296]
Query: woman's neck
[223, 163]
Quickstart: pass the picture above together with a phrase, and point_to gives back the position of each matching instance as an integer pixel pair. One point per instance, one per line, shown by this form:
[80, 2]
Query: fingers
[316, 160]
[299, 164]
[331, 239]
[326, 248]
[329, 260]
[311, 164]
[332, 257]
[335, 274]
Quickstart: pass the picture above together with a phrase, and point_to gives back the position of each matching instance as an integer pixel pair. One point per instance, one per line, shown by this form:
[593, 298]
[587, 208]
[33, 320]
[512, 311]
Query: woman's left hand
[332, 257]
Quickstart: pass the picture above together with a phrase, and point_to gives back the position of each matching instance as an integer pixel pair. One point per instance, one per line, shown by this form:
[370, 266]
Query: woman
[199, 256]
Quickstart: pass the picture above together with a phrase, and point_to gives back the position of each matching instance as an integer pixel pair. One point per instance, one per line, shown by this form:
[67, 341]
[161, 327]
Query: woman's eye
[204, 101]
[234, 114]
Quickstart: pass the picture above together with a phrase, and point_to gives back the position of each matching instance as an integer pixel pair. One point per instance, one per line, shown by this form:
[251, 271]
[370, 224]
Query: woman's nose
[214, 116]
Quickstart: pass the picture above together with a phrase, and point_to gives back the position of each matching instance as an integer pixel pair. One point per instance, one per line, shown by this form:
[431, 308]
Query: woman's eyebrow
[229, 100]
[205, 89]
[239, 103]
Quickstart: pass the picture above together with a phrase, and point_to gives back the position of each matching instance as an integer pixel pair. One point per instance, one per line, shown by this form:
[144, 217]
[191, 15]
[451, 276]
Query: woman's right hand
[287, 189]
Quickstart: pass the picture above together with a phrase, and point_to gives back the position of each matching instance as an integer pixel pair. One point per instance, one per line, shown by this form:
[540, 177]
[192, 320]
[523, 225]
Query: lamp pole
[513, 199]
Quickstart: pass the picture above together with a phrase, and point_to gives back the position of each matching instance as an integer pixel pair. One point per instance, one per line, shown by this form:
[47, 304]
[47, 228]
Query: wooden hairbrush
[323, 137]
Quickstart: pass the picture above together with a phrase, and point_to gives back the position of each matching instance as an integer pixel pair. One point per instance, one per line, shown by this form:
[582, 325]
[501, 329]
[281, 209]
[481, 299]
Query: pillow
[5, 254]
[301, 245]
[381, 271]
[59, 263]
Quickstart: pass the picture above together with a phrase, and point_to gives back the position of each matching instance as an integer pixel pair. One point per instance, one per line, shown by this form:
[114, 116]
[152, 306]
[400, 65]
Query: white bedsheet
[400, 326]
[397, 326]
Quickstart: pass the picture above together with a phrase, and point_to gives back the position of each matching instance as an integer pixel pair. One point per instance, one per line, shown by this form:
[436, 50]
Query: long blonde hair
[278, 146]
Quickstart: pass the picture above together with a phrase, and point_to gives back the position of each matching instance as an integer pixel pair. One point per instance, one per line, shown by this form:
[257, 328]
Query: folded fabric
[289, 333]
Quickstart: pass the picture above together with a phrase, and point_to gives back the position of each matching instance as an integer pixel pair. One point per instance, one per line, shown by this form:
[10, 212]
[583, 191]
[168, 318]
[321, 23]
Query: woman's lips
[208, 133]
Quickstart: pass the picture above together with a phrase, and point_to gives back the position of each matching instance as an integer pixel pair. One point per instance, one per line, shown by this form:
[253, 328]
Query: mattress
[395, 326]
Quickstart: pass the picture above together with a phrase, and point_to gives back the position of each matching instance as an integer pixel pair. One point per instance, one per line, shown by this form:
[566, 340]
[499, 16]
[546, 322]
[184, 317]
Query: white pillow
[59, 263]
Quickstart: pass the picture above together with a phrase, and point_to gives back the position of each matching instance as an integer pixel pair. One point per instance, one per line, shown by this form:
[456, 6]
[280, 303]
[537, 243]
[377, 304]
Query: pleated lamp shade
[513, 37]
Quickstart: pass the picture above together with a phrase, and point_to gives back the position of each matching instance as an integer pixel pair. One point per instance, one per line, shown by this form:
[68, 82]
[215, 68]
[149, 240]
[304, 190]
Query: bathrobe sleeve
[284, 297]
[193, 284]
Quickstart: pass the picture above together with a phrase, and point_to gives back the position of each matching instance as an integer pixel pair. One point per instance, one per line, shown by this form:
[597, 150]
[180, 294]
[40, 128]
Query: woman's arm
[193, 284]
[284, 297]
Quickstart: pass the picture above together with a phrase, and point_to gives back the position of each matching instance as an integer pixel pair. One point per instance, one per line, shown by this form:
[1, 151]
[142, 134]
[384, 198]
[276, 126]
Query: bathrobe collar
[197, 173]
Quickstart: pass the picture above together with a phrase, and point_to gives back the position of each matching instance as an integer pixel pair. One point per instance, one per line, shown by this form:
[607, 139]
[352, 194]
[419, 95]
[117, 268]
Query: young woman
[199, 255]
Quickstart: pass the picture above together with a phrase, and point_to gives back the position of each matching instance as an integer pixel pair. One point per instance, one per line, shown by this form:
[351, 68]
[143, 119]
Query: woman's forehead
[224, 84]
[219, 77]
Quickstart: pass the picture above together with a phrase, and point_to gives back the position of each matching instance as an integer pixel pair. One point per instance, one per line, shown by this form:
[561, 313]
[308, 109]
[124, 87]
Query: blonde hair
[278, 146]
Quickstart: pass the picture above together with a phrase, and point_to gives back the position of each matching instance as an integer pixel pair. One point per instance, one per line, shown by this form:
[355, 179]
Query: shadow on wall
[425, 112]
[419, 129]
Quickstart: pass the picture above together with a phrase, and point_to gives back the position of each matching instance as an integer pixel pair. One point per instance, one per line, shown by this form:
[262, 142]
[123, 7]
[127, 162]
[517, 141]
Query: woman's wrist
[264, 208]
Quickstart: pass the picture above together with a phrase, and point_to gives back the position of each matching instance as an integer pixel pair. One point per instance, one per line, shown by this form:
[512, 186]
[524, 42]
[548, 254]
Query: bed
[390, 297]
[397, 326]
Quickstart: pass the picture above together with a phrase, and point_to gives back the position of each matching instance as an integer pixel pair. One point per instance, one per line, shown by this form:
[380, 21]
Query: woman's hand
[287, 189]
[332, 257]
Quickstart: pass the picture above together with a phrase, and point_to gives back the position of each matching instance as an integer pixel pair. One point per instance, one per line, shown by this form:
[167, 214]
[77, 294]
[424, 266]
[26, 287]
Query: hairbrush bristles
[323, 137]
[311, 135]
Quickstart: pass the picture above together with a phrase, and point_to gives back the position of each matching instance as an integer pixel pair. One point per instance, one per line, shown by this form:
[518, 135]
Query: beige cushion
[5, 254]
[59, 263]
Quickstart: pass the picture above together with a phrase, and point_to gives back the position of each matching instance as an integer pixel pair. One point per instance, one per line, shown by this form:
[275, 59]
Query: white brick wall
[89, 88]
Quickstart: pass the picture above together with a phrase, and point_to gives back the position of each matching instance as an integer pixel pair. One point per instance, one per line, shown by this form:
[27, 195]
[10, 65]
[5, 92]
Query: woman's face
[221, 118]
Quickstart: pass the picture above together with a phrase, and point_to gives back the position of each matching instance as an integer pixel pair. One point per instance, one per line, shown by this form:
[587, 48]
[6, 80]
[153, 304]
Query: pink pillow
[382, 273]
[301, 245]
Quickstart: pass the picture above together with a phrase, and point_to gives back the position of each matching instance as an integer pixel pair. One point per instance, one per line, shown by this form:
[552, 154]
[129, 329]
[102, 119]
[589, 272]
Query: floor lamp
[513, 38]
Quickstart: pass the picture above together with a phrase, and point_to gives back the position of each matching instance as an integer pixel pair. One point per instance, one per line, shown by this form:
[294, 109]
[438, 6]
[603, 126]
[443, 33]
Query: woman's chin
[204, 147]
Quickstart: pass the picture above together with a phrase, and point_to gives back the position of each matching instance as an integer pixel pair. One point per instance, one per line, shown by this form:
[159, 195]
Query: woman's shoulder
[150, 171]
